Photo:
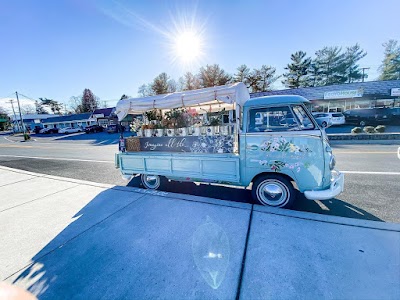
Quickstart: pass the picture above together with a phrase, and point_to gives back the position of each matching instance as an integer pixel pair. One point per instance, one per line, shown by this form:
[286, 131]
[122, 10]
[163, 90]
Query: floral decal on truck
[281, 145]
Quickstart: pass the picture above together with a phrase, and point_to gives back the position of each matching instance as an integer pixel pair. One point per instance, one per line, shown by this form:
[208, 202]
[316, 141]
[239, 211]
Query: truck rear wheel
[151, 182]
[273, 190]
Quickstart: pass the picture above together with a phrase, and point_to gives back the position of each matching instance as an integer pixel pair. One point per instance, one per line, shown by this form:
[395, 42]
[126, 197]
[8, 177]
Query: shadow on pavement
[120, 246]
[334, 207]
[96, 139]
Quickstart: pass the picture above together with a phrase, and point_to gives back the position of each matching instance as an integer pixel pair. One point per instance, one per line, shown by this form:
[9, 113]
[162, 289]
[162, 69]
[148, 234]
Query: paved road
[371, 189]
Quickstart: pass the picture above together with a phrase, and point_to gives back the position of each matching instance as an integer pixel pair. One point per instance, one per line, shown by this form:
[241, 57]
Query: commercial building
[30, 121]
[76, 120]
[342, 97]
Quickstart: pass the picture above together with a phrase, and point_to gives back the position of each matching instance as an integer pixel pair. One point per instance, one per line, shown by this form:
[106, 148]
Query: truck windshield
[304, 120]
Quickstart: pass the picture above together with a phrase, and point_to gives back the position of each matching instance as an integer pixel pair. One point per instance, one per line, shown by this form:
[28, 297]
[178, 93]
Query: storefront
[339, 98]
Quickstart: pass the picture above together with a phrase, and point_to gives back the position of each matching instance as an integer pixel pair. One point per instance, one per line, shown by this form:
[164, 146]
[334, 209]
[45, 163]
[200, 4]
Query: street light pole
[20, 114]
[15, 116]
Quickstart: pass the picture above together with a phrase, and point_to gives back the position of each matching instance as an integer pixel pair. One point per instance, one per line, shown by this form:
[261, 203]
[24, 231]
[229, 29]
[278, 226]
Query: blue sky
[55, 49]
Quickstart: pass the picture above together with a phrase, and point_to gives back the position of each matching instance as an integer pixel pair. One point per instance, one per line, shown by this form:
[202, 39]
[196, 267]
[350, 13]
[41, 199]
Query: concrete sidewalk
[65, 238]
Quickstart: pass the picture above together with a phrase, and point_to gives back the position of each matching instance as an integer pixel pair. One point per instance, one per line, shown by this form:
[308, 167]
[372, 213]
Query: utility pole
[15, 116]
[363, 73]
[20, 115]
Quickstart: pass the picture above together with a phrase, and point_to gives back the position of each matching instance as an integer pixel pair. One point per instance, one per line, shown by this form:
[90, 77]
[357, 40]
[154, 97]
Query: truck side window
[302, 117]
[272, 119]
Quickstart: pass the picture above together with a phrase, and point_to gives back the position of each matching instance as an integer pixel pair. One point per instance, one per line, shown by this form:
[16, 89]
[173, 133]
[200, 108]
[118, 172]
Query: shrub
[380, 128]
[369, 129]
[356, 130]
[26, 136]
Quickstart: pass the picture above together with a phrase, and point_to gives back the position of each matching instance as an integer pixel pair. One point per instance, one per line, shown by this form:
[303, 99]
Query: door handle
[252, 147]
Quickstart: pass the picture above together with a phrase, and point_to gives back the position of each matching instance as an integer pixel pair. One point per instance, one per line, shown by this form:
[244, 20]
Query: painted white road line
[370, 173]
[59, 158]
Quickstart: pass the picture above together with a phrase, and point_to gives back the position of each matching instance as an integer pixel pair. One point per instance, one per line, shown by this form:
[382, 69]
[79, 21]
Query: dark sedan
[93, 129]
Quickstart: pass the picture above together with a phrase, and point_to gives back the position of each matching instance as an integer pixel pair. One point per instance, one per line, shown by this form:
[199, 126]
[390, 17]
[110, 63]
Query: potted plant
[158, 130]
[136, 126]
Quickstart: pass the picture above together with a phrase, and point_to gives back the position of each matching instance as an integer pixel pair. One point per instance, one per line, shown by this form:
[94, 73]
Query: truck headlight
[332, 162]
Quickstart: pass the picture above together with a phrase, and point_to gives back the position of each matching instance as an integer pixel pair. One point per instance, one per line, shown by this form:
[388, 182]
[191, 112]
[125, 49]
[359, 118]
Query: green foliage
[390, 68]
[369, 129]
[27, 137]
[380, 128]
[242, 75]
[331, 62]
[153, 115]
[39, 108]
[160, 84]
[352, 56]
[176, 118]
[298, 70]
[356, 130]
[54, 106]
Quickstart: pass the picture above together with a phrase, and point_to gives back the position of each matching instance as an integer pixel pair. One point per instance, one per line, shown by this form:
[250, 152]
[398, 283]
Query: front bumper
[336, 187]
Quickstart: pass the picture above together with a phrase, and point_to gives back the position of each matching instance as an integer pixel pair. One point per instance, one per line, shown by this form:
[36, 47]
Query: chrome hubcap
[151, 181]
[272, 192]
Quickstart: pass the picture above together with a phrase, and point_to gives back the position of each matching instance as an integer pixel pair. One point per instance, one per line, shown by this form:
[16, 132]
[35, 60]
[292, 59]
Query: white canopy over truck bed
[230, 94]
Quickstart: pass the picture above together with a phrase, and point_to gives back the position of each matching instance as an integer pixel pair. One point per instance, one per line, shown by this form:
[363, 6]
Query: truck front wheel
[273, 190]
[151, 182]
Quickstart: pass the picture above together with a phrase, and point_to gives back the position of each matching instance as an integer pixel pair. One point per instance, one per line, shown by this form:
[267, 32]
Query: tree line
[330, 65]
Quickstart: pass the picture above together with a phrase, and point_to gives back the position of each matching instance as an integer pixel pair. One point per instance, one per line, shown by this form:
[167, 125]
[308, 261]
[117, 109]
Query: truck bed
[215, 167]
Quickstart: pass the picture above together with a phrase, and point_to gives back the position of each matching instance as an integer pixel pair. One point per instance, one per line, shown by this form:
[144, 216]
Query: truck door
[283, 139]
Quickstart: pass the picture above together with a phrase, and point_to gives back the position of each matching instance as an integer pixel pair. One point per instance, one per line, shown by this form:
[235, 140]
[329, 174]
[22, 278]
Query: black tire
[151, 182]
[279, 185]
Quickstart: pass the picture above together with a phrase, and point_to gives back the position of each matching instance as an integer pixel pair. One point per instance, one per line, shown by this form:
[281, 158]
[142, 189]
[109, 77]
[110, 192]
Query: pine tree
[297, 70]
[242, 75]
[331, 62]
[352, 56]
[39, 108]
[54, 105]
[390, 68]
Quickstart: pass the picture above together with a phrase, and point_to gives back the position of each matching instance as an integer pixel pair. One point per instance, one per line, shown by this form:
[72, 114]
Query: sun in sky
[188, 46]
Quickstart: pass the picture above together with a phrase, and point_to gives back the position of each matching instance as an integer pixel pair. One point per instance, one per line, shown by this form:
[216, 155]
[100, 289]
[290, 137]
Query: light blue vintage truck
[219, 135]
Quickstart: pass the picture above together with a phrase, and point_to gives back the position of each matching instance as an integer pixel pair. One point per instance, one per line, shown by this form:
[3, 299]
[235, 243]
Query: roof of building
[278, 99]
[375, 88]
[105, 111]
[33, 116]
[68, 118]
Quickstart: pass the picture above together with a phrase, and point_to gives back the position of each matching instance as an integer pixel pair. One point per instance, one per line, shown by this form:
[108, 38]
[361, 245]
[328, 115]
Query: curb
[257, 208]
[364, 136]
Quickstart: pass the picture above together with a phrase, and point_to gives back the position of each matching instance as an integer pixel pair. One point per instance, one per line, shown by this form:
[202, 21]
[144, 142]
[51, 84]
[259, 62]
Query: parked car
[94, 128]
[395, 115]
[337, 118]
[368, 116]
[115, 128]
[70, 130]
[48, 130]
[323, 119]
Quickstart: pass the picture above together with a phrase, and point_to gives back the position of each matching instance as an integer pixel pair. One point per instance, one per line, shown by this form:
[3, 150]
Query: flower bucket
[203, 130]
[194, 131]
[210, 131]
[139, 132]
[170, 132]
[148, 132]
[182, 131]
[159, 132]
